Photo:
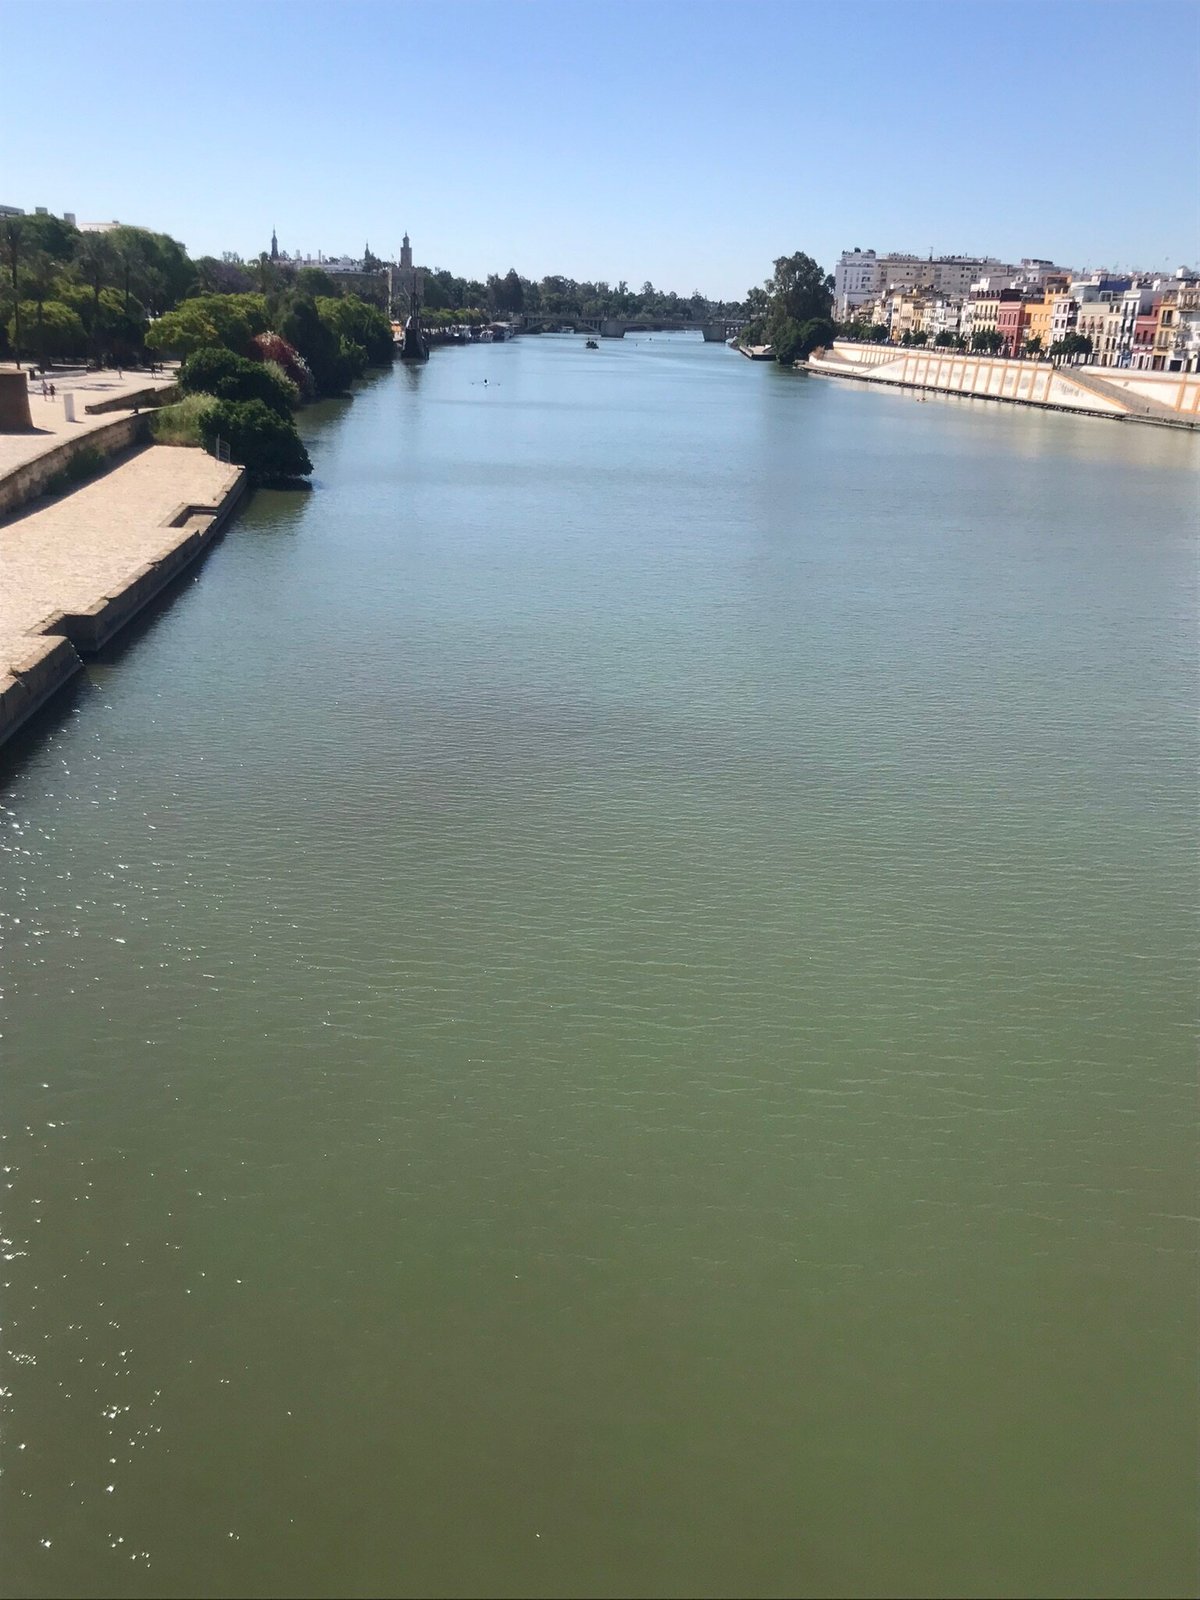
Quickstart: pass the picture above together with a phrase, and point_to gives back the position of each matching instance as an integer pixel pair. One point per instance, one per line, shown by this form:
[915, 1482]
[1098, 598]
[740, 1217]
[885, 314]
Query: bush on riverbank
[232, 377]
[274, 349]
[260, 440]
[180, 424]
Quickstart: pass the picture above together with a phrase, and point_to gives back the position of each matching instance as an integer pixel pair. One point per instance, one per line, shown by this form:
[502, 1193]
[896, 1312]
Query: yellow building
[1039, 317]
[908, 314]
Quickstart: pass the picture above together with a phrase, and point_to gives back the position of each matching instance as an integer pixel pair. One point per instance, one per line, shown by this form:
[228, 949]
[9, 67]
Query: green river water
[604, 1005]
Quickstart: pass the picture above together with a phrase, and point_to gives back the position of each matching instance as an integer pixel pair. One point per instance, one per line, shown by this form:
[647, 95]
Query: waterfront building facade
[1142, 320]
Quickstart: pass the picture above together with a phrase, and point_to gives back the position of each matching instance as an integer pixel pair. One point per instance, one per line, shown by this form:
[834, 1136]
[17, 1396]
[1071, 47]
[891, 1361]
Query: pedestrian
[53, 391]
[45, 390]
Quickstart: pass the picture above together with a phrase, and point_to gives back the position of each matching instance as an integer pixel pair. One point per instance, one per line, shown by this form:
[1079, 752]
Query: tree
[152, 266]
[362, 325]
[59, 239]
[12, 239]
[318, 342]
[798, 289]
[38, 279]
[231, 377]
[60, 330]
[511, 292]
[987, 340]
[313, 281]
[945, 340]
[266, 444]
[1033, 345]
[217, 319]
[222, 277]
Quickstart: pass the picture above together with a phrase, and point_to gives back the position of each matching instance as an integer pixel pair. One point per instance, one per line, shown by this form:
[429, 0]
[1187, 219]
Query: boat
[591, 345]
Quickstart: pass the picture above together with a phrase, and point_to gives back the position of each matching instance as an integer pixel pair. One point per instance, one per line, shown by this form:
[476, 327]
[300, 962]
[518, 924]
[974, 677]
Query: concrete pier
[75, 570]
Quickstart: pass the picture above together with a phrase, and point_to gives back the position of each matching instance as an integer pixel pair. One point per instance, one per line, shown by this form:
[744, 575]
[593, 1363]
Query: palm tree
[38, 280]
[94, 258]
[12, 238]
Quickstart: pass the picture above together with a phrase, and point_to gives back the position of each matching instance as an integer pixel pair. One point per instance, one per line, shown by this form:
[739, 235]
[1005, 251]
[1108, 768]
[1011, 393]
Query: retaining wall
[26, 482]
[54, 652]
[1168, 398]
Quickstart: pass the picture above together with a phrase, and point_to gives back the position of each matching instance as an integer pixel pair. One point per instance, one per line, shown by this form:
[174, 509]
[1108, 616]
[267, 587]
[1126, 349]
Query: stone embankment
[41, 446]
[1166, 399]
[76, 569]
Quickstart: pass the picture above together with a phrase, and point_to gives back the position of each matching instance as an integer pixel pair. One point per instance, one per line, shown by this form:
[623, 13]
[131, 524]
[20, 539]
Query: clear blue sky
[685, 143]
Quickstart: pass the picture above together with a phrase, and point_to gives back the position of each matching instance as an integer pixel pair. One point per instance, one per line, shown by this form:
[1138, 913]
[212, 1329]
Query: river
[604, 1005]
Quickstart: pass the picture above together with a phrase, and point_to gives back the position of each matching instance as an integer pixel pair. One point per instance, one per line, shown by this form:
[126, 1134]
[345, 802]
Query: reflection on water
[603, 1005]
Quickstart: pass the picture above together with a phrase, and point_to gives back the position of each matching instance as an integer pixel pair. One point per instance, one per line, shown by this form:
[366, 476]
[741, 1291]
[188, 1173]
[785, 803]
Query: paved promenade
[97, 555]
[49, 418]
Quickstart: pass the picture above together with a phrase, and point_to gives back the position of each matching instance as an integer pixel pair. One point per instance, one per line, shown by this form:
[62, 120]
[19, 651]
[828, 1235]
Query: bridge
[715, 331]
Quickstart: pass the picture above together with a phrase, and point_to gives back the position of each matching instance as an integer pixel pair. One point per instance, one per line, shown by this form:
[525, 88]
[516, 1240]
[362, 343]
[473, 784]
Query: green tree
[60, 330]
[987, 341]
[313, 281]
[59, 239]
[1033, 345]
[96, 264]
[266, 444]
[222, 277]
[945, 341]
[230, 320]
[318, 342]
[510, 294]
[220, 372]
[799, 289]
[120, 326]
[38, 279]
[152, 266]
[360, 324]
[12, 239]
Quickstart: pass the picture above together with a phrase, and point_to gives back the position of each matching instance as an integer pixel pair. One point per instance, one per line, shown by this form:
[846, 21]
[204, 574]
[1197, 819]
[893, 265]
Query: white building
[943, 314]
[861, 274]
[855, 281]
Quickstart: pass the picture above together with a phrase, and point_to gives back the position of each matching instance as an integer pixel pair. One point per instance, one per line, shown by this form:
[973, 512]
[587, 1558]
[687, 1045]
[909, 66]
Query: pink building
[1144, 329]
[1010, 325]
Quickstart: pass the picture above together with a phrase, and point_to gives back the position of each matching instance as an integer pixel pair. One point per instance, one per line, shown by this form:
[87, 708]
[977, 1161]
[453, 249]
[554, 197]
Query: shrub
[258, 439]
[292, 390]
[274, 347]
[180, 424]
[83, 464]
[232, 377]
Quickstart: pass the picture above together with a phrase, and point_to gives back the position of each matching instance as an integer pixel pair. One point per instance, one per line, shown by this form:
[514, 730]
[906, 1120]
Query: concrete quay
[75, 570]
[94, 393]
[1166, 399]
[32, 458]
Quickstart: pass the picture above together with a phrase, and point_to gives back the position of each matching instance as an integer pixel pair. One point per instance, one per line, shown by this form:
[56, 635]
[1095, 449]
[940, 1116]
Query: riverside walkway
[75, 569]
[50, 425]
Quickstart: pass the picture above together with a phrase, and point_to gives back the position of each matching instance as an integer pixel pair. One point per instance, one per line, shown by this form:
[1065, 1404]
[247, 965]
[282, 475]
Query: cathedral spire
[274, 245]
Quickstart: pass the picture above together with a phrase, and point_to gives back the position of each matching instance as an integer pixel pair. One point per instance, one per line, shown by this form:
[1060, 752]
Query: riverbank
[1164, 399]
[77, 569]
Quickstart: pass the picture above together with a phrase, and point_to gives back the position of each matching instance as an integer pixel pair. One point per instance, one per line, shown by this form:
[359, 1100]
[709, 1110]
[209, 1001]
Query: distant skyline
[685, 143]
